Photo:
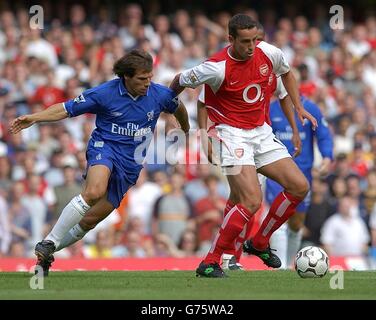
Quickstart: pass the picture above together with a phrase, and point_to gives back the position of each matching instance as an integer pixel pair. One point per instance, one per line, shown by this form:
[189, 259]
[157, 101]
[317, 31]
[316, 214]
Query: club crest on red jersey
[264, 69]
[239, 152]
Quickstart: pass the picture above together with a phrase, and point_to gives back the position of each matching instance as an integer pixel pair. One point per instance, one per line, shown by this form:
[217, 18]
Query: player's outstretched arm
[290, 84]
[288, 110]
[181, 115]
[53, 113]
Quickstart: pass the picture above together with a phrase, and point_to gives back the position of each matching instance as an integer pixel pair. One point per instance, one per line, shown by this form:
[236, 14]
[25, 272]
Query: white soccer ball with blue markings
[311, 262]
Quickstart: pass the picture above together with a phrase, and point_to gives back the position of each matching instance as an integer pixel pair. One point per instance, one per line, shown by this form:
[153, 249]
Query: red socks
[232, 226]
[244, 235]
[237, 226]
[282, 208]
[229, 205]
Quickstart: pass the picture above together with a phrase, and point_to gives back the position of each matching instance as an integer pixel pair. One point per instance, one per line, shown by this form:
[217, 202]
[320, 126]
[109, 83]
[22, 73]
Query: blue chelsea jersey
[121, 118]
[283, 132]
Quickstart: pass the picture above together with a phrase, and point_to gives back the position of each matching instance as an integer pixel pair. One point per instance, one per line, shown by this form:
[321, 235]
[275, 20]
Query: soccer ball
[311, 262]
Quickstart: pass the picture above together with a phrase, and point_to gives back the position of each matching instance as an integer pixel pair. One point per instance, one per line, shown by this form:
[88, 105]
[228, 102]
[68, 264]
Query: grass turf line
[180, 285]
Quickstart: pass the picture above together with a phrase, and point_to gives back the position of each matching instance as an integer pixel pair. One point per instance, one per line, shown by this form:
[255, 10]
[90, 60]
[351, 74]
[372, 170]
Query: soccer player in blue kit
[287, 239]
[127, 109]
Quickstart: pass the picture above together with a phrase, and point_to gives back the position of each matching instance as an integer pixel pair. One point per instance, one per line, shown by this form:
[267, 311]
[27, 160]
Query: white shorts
[256, 147]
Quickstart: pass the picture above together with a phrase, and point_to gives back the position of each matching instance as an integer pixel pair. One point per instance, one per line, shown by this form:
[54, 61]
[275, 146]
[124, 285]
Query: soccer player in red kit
[239, 77]
[231, 258]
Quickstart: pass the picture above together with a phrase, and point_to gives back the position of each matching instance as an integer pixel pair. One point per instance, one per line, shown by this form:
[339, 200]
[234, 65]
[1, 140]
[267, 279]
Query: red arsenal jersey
[238, 90]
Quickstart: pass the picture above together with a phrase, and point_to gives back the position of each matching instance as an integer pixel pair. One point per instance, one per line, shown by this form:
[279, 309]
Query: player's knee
[92, 195]
[300, 188]
[304, 187]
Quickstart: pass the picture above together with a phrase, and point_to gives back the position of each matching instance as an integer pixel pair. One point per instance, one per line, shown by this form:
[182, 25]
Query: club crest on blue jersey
[150, 115]
[79, 98]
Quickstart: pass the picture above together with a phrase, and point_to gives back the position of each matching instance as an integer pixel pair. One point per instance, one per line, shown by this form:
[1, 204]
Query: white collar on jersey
[229, 54]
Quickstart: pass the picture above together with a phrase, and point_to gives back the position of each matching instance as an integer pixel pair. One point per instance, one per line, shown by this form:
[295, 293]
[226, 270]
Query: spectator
[172, 211]
[135, 224]
[40, 48]
[54, 174]
[344, 233]
[196, 189]
[35, 204]
[46, 143]
[318, 212]
[19, 216]
[209, 210]
[358, 46]
[5, 174]
[370, 192]
[342, 142]
[48, 94]
[100, 249]
[17, 249]
[141, 206]
[161, 178]
[165, 247]
[66, 191]
[188, 243]
[132, 247]
[354, 191]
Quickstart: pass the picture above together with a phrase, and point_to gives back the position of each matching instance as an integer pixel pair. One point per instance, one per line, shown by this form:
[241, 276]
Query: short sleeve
[170, 100]
[209, 72]
[276, 56]
[86, 102]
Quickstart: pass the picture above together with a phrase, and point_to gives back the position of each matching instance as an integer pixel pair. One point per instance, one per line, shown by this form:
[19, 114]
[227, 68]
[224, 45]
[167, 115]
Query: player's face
[244, 43]
[138, 84]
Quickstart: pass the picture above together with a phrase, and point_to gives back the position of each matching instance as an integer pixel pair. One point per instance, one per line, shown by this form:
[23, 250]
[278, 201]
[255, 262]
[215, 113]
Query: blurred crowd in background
[175, 210]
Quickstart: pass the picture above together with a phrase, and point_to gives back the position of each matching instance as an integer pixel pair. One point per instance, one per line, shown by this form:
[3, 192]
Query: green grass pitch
[181, 285]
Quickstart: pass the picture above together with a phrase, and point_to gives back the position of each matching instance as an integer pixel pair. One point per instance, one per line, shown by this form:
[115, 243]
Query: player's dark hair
[240, 22]
[133, 61]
